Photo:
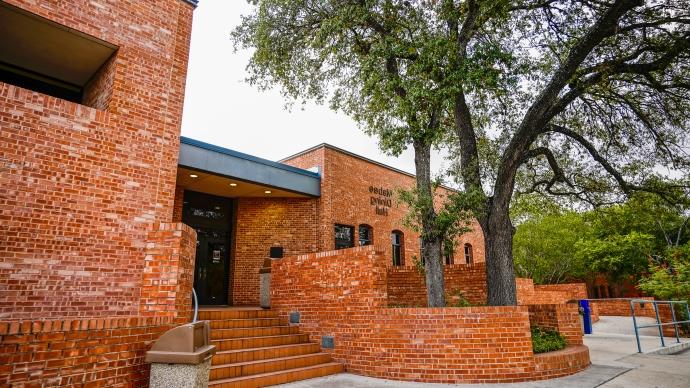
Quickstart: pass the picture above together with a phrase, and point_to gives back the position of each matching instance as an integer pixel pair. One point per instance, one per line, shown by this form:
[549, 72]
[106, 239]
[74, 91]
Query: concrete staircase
[256, 349]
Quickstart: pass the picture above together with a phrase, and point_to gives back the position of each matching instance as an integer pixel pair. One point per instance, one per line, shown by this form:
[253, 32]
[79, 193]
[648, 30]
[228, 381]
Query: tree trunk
[435, 286]
[431, 241]
[500, 270]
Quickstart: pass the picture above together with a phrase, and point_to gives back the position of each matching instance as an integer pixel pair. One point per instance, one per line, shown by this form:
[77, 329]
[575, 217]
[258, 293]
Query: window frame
[335, 236]
[469, 254]
[370, 232]
[400, 248]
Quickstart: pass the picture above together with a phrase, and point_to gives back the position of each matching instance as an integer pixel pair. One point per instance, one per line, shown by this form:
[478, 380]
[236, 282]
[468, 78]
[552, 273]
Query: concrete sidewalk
[615, 364]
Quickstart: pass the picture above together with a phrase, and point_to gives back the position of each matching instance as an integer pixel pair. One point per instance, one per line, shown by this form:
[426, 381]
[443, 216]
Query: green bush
[544, 340]
[457, 299]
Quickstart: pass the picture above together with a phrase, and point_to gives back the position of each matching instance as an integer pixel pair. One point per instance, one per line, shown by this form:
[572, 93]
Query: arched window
[398, 247]
[366, 235]
[468, 254]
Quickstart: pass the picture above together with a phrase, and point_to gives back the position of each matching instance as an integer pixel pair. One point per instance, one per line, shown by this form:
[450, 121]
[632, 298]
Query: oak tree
[587, 99]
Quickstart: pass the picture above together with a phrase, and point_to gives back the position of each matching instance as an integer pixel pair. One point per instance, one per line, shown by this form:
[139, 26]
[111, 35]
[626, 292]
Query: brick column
[168, 274]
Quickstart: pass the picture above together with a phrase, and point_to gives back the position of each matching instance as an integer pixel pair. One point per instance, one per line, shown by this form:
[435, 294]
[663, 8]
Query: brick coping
[81, 324]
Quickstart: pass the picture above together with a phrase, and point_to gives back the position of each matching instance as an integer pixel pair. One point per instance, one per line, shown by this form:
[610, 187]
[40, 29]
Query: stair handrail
[658, 323]
[196, 305]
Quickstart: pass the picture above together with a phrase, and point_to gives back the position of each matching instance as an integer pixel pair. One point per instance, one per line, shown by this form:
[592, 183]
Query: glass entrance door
[210, 216]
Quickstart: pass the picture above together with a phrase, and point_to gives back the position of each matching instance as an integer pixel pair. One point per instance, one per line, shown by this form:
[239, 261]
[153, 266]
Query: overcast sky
[221, 109]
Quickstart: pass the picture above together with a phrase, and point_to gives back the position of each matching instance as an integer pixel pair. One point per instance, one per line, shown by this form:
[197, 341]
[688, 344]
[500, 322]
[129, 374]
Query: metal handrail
[196, 305]
[658, 323]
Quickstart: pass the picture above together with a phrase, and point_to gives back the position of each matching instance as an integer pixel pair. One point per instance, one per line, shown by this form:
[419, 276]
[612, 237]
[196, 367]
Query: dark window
[365, 235]
[468, 254]
[398, 247]
[448, 253]
[344, 236]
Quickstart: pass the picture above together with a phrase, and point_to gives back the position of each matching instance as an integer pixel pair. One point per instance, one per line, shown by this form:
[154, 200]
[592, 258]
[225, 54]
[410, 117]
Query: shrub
[544, 340]
[457, 299]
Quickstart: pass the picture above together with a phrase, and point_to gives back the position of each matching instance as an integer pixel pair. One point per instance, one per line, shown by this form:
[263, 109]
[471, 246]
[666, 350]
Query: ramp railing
[658, 323]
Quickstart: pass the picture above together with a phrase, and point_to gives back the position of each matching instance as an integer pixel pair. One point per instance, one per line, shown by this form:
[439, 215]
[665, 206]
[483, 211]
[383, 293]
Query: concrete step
[245, 355]
[278, 377]
[226, 371]
[259, 342]
[250, 322]
[246, 332]
[209, 314]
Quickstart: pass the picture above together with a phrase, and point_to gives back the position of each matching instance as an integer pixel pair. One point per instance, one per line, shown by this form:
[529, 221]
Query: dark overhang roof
[221, 161]
[193, 3]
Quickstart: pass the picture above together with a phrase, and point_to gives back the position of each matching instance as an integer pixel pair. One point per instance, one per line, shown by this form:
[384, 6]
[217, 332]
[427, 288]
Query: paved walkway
[615, 364]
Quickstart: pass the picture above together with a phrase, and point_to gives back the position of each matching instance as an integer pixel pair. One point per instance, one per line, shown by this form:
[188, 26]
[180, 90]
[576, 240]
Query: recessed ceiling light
[233, 184]
[267, 192]
[193, 176]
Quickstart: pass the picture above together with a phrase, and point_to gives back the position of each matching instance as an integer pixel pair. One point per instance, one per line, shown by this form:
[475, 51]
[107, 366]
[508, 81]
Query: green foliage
[670, 279]
[543, 248]
[418, 265]
[544, 340]
[453, 215]
[552, 245]
[457, 299]
[616, 255]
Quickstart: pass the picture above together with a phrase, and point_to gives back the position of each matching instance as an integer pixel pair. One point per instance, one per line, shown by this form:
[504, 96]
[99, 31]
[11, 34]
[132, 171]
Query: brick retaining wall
[99, 352]
[529, 293]
[451, 345]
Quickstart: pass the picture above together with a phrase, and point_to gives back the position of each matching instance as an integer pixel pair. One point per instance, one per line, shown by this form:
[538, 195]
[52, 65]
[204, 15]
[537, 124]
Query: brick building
[109, 219]
[321, 199]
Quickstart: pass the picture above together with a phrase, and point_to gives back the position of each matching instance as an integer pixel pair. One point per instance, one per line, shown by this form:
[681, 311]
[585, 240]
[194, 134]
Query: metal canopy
[200, 156]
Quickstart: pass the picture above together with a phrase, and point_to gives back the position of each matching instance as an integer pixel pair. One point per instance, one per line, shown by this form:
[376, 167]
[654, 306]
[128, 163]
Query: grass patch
[544, 340]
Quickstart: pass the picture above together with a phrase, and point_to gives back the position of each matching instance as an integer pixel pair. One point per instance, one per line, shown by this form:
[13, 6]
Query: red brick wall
[529, 293]
[99, 91]
[98, 352]
[79, 187]
[261, 224]
[345, 199]
[563, 318]
[450, 345]
[178, 204]
[407, 286]
[621, 307]
[574, 291]
[168, 274]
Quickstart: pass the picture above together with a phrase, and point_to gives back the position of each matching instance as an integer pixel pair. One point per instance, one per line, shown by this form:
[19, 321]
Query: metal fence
[658, 323]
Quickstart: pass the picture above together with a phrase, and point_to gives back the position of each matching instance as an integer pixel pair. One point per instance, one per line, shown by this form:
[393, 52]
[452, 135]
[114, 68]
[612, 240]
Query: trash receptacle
[586, 316]
[181, 357]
